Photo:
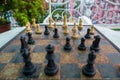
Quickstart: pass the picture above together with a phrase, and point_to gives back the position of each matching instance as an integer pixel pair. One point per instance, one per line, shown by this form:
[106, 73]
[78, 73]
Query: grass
[116, 29]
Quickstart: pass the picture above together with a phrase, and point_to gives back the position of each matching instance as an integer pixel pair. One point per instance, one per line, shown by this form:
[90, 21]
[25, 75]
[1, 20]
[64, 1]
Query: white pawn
[28, 28]
[38, 30]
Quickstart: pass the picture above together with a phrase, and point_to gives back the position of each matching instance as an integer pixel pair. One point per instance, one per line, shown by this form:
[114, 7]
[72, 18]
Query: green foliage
[24, 10]
[116, 29]
[57, 12]
[3, 21]
[53, 7]
[77, 4]
[67, 13]
[1, 5]
[42, 17]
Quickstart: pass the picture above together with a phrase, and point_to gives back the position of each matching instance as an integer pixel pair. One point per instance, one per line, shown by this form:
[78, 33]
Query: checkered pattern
[70, 63]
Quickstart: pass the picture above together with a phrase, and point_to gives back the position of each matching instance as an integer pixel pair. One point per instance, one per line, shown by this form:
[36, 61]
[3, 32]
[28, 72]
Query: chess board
[70, 62]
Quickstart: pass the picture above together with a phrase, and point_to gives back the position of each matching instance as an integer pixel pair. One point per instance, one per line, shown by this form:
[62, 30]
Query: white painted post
[50, 7]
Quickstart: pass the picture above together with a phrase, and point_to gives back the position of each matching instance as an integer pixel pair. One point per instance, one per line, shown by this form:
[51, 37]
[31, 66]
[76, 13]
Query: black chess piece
[29, 68]
[24, 45]
[95, 44]
[89, 69]
[30, 39]
[46, 30]
[51, 68]
[82, 44]
[87, 36]
[56, 35]
[67, 46]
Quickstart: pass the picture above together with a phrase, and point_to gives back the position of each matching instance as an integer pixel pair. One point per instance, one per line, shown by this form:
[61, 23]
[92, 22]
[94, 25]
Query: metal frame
[91, 9]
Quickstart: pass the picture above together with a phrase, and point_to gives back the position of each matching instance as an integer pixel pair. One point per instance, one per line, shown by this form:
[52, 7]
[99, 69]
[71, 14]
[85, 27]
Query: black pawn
[67, 46]
[51, 68]
[23, 44]
[87, 36]
[82, 44]
[56, 35]
[29, 68]
[95, 44]
[30, 39]
[46, 30]
[89, 69]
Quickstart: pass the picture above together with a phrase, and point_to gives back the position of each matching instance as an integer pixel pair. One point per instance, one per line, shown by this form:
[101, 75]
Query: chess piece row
[95, 45]
[65, 27]
[80, 26]
[52, 68]
[74, 30]
[28, 28]
[81, 46]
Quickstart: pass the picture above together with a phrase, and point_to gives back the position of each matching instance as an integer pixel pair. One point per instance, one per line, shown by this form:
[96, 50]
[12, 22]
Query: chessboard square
[63, 36]
[16, 42]
[39, 48]
[42, 42]
[55, 42]
[17, 58]
[82, 58]
[12, 48]
[108, 49]
[56, 59]
[57, 49]
[114, 58]
[36, 37]
[11, 71]
[6, 57]
[104, 42]
[70, 71]
[31, 47]
[46, 36]
[34, 75]
[68, 58]
[82, 51]
[88, 42]
[101, 58]
[96, 76]
[117, 67]
[43, 76]
[37, 57]
[76, 42]
[108, 71]
[2, 65]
